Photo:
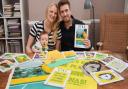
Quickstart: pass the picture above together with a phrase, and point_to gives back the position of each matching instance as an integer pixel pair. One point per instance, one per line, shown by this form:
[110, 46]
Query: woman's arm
[58, 44]
[29, 44]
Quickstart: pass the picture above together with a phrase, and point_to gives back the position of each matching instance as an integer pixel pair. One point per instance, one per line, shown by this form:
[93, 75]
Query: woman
[49, 25]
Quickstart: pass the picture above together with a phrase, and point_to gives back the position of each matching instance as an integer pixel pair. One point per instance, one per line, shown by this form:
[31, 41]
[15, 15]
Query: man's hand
[87, 43]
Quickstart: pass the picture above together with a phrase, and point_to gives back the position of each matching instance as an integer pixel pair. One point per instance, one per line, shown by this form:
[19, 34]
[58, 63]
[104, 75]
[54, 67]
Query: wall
[126, 6]
[37, 8]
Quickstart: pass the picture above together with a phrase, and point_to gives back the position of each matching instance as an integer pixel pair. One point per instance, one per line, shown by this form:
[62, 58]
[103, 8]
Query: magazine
[81, 33]
[7, 64]
[106, 77]
[58, 77]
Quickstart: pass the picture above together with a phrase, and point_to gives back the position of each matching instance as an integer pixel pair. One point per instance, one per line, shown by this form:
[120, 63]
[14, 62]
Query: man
[67, 26]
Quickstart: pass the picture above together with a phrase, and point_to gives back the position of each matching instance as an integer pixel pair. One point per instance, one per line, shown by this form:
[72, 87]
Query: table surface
[117, 85]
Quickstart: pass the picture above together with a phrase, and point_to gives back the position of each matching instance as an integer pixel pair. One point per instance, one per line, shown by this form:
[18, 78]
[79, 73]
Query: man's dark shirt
[68, 35]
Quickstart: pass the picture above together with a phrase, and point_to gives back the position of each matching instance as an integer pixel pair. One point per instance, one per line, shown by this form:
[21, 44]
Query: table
[117, 85]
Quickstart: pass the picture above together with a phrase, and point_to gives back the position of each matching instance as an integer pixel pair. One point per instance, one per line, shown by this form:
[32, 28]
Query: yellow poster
[77, 79]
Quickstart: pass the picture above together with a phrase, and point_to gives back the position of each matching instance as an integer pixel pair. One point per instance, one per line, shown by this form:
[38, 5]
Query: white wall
[126, 7]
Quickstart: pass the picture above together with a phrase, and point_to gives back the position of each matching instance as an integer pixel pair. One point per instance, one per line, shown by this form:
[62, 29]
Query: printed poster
[77, 79]
[58, 77]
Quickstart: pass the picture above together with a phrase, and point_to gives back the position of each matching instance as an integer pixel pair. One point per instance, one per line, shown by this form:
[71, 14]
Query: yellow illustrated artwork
[53, 55]
[77, 79]
[69, 53]
[107, 76]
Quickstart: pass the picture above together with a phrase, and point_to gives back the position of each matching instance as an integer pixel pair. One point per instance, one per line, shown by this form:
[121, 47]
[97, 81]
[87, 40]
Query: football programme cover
[81, 34]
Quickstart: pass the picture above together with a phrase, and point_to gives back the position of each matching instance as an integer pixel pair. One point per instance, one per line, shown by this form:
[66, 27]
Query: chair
[114, 33]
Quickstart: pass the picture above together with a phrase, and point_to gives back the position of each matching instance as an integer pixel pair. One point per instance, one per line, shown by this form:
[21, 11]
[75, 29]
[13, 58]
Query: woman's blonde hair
[55, 24]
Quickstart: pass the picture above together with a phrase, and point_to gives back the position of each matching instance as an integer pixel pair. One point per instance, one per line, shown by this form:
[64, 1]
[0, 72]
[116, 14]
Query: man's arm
[29, 44]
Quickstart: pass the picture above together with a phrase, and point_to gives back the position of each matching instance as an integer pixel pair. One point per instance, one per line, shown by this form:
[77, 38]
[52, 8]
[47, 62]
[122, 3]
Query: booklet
[7, 64]
[58, 77]
[117, 65]
[100, 56]
[106, 77]
[21, 58]
[40, 56]
[90, 55]
[108, 59]
[69, 54]
[80, 55]
[8, 55]
[81, 33]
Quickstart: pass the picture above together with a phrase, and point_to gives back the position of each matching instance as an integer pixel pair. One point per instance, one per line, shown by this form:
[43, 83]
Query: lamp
[88, 5]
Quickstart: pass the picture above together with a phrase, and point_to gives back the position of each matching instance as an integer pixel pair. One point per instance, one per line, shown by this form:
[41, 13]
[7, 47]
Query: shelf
[12, 25]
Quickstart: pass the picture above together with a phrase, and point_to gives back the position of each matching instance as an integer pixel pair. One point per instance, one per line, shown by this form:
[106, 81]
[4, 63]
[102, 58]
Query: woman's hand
[28, 50]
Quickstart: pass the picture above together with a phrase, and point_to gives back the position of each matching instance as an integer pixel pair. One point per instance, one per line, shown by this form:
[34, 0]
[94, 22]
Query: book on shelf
[81, 33]
[1, 13]
[2, 46]
[106, 77]
[15, 46]
[8, 10]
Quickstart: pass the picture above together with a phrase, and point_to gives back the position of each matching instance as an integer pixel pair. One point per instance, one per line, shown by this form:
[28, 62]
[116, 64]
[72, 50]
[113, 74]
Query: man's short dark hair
[63, 2]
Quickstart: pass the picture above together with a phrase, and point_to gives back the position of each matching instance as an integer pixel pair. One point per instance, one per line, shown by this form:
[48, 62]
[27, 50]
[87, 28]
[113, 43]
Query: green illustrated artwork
[22, 58]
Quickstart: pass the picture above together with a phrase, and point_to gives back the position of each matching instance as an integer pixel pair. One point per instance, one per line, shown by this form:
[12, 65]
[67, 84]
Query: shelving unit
[13, 23]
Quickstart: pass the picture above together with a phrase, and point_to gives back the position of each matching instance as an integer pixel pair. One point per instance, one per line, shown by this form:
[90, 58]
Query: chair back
[114, 32]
